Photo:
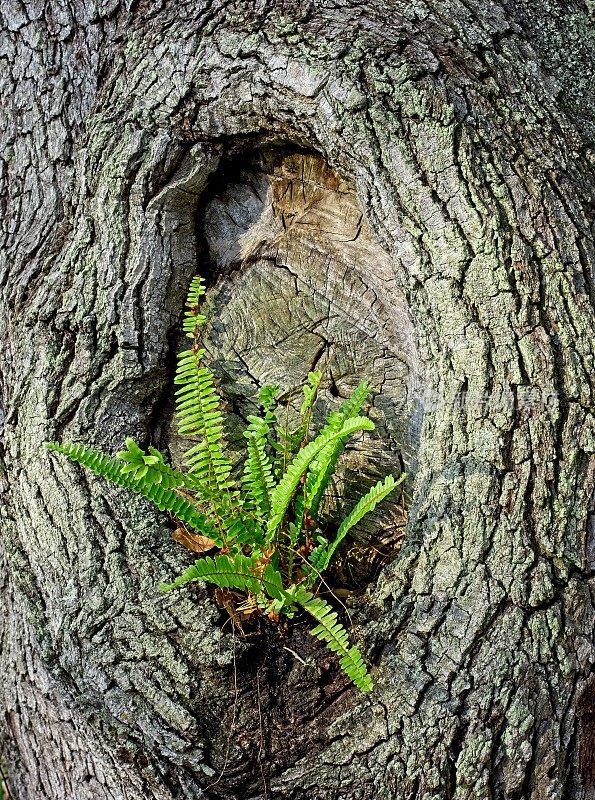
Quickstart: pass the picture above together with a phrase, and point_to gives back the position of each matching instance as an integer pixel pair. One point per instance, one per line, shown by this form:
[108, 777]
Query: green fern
[117, 472]
[268, 401]
[266, 519]
[324, 464]
[320, 557]
[258, 479]
[326, 461]
[284, 491]
[149, 466]
[199, 417]
[310, 391]
[330, 631]
[238, 572]
[192, 318]
[227, 572]
[290, 440]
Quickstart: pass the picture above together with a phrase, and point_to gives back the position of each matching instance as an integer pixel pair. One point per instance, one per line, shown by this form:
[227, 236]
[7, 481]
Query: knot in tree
[402, 195]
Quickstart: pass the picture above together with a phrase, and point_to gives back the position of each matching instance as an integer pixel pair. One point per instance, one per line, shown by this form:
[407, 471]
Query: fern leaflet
[258, 480]
[284, 491]
[320, 557]
[330, 631]
[114, 470]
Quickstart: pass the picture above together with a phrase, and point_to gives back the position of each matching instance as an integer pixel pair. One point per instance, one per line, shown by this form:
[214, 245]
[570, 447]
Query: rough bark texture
[462, 133]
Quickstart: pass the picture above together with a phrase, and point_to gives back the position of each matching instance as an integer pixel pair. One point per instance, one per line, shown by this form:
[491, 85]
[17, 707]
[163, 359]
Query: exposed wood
[303, 285]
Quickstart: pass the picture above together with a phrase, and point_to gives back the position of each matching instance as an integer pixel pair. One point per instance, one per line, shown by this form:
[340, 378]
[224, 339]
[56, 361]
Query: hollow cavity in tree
[300, 284]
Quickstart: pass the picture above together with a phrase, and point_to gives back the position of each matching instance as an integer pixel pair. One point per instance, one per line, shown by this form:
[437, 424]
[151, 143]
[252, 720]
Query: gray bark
[413, 181]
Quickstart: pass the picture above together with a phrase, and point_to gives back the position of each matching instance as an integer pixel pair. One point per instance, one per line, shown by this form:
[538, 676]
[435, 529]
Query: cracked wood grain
[302, 285]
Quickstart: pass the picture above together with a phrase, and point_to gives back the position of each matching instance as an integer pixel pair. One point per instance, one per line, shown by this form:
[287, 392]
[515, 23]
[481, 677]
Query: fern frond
[233, 572]
[258, 480]
[227, 572]
[333, 634]
[267, 398]
[323, 467]
[192, 318]
[114, 470]
[150, 467]
[310, 390]
[199, 416]
[284, 491]
[295, 438]
[196, 290]
[320, 557]
[352, 406]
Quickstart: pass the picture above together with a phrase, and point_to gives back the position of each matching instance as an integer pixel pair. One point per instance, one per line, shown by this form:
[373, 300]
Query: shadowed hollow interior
[298, 283]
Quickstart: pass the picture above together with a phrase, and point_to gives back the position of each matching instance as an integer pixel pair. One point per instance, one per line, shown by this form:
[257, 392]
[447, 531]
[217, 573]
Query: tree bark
[413, 183]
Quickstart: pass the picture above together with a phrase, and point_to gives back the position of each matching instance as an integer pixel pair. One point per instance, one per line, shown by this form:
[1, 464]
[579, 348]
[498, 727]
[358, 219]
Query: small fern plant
[264, 525]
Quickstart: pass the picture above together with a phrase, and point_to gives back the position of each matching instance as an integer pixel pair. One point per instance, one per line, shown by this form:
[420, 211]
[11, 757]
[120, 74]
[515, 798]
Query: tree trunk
[401, 191]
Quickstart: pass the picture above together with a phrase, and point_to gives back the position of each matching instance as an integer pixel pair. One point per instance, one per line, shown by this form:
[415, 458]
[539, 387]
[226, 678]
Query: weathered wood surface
[466, 131]
[303, 285]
